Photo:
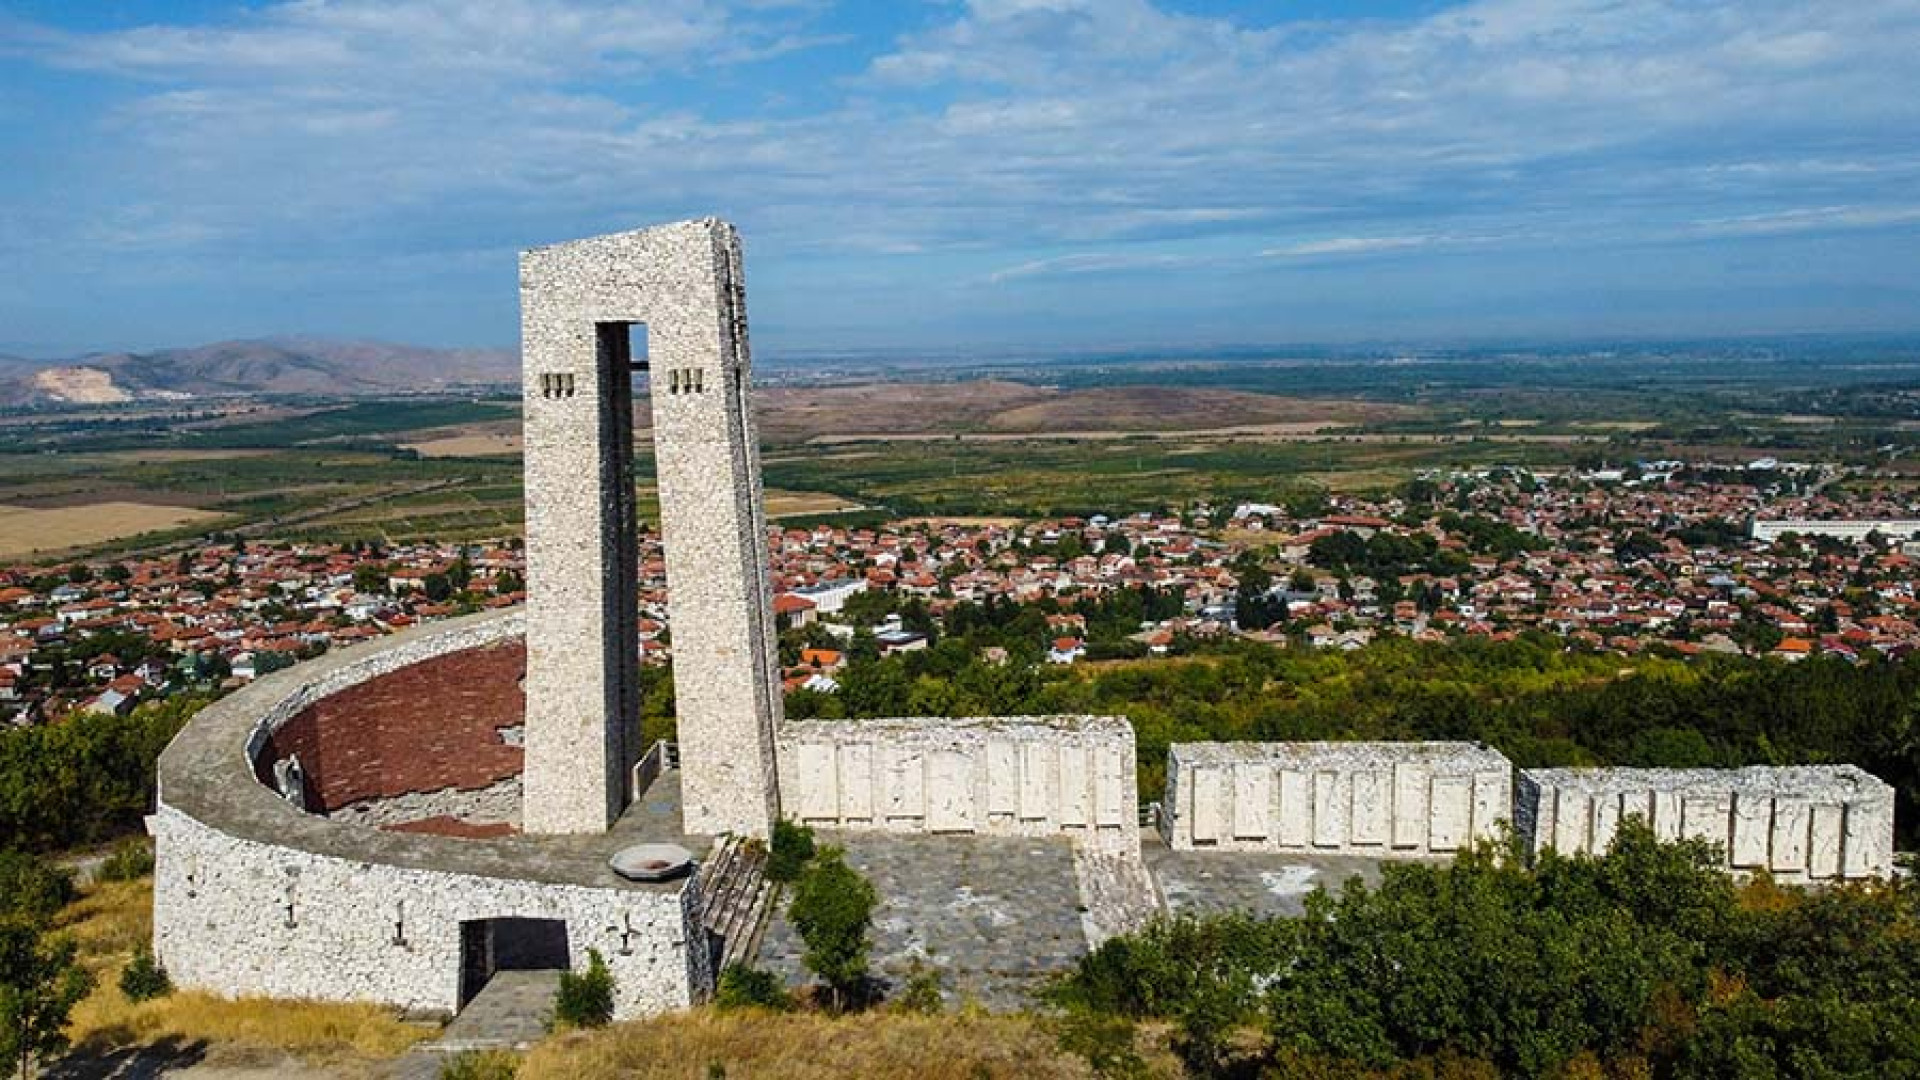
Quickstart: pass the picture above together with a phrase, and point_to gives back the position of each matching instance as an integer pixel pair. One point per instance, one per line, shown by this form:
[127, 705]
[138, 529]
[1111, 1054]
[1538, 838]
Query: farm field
[1040, 441]
[26, 532]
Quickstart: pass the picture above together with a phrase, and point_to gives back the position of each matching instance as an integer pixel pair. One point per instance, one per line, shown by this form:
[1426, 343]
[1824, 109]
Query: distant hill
[274, 366]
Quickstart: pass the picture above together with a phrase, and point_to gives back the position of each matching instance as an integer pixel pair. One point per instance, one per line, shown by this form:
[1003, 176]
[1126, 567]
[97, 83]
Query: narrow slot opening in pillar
[622, 349]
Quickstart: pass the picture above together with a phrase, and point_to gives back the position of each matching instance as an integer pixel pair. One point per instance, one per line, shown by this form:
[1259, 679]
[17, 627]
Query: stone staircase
[738, 899]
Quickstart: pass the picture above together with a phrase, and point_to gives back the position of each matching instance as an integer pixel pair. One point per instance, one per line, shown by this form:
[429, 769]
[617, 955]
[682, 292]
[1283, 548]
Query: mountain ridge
[252, 366]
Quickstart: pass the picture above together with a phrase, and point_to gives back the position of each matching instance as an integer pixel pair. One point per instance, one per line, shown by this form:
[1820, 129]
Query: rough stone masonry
[580, 304]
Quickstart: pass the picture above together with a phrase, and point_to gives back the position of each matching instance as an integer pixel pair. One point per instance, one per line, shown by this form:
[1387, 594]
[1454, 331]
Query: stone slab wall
[1067, 776]
[1391, 800]
[238, 917]
[1802, 823]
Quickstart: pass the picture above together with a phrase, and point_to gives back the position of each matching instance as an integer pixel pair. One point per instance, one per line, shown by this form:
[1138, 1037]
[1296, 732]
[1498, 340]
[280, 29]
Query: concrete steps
[738, 899]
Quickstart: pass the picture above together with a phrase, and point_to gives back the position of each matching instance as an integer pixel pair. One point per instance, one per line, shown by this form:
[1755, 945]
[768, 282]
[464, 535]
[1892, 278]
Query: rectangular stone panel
[819, 796]
[1329, 816]
[1826, 838]
[905, 792]
[1109, 787]
[1251, 797]
[1209, 798]
[1707, 815]
[949, 792]
[1637, 804]
[856, 782]
[1857, 847]
[1606, 821]
[1451, 813]
[1003, 777]
[1790, 824]
[1546, 819]
[1752, 830]
[1492, 802]
[1296, 808]
[1372, 808]
[1572, 822]
[1667, 823]
[1036, 781]
[1410, 805]
[1076, 787]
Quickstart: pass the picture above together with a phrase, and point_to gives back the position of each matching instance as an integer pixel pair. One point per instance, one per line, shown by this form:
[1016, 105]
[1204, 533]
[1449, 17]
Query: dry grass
[30, 530]
[806, 1046]
[113, 919]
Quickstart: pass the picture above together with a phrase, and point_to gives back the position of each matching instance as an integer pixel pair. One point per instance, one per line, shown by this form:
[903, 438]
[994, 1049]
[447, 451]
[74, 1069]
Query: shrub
[832, 910]
[33, 888]
[143, 979]
[480, 1065]
[744, 987]
[130, 861]
[586, 998]
[790, 852]
[921, 994]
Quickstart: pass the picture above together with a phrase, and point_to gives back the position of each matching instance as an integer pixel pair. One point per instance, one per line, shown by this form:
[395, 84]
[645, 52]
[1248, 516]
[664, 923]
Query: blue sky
[993, 174]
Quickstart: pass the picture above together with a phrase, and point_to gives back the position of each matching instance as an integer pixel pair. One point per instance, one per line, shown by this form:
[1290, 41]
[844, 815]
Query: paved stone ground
[1208, 882]
[994, 915]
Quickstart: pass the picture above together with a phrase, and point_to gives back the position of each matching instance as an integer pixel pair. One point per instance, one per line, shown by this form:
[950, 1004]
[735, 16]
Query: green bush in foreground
[744, 987]
[832, 909]
[586, 997]
[143, 979]
[131, 861]
[789, 852]
[1645, 961]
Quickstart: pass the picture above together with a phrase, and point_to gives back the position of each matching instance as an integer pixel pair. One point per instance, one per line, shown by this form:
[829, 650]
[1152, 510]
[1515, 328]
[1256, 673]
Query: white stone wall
[1802, 823]
[237, 917]
[1069, 776]
[1390, 800]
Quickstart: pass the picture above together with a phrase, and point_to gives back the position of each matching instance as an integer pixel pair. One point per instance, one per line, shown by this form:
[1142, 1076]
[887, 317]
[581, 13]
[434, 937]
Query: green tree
[40, 982]
[32, 888]
[370, 577]
[832, 910]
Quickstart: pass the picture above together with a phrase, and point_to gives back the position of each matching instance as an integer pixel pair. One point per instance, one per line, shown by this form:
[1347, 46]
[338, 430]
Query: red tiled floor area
[426, 727]
[453, 826]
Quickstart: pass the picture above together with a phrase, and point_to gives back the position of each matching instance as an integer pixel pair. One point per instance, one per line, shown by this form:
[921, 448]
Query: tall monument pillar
[582, 304]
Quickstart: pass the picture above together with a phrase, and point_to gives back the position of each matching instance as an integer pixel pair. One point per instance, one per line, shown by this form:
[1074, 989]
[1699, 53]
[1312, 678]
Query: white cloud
[1347, 245]
[1007, 129]
[1090, 263]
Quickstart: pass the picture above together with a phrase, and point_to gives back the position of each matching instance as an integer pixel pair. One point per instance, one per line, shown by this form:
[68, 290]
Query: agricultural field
[27, 532]
[1027, 441]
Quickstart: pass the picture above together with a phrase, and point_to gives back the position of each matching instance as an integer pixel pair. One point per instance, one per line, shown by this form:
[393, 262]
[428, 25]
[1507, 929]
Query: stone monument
[583, 304]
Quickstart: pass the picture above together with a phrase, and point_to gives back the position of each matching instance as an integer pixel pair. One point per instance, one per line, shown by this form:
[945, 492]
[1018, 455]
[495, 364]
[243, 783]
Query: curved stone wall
[254, 896]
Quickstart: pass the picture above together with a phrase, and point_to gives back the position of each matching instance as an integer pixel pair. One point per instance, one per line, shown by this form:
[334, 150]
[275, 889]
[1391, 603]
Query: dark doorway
[493, 945]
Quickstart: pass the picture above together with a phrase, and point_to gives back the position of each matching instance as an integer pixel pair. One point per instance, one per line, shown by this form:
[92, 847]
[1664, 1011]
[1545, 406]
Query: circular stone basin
[651, 862]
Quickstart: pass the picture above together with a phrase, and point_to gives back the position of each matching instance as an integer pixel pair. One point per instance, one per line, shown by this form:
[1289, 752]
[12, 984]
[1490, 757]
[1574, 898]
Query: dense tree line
[1645, 962]
[85, 779]
[1531, 698]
